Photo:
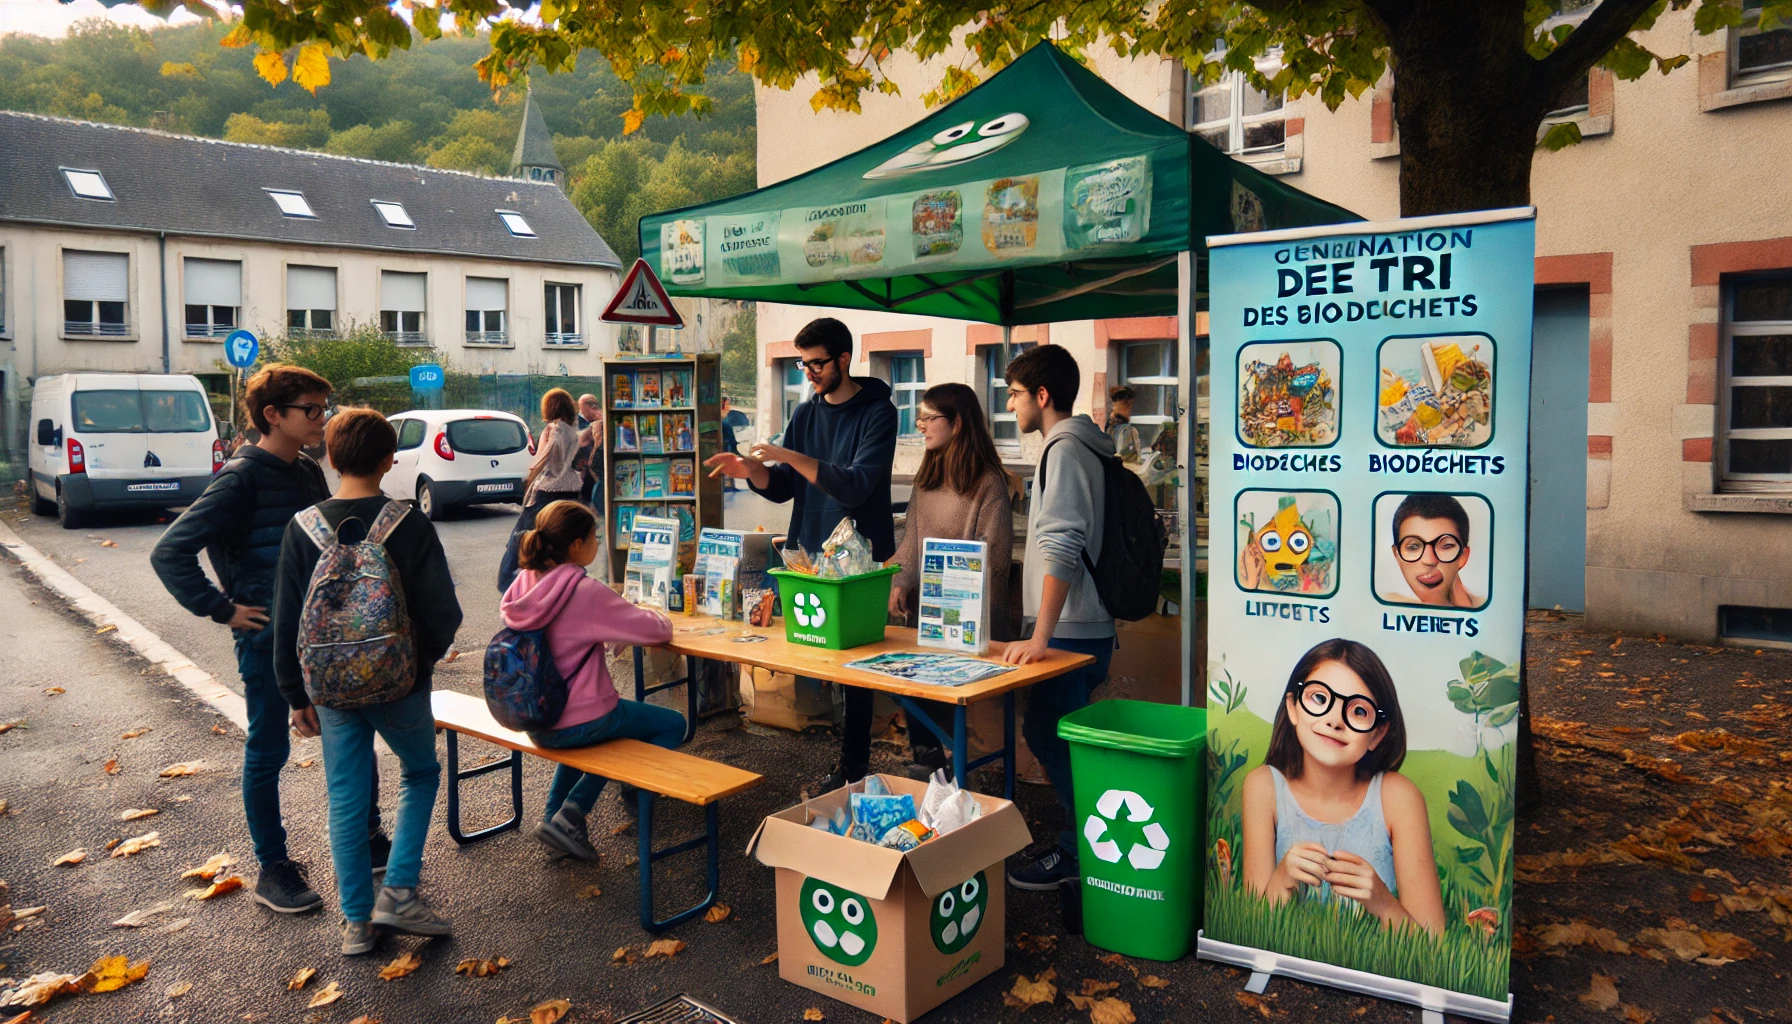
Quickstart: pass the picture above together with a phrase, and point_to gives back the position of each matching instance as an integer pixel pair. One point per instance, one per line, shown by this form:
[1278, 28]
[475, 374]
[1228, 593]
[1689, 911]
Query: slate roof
[534, 144]
[205, 187]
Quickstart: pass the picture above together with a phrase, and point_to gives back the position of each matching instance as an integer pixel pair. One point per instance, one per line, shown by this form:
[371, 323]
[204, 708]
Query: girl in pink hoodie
[580, 615]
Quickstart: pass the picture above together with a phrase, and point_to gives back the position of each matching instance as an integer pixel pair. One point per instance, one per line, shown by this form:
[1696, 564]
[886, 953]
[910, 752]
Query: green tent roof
[1043, 195]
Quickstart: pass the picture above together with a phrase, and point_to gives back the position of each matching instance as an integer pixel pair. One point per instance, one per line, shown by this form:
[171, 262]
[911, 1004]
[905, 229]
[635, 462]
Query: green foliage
[624, 180]
[1229, 693]
[740, 347]
[1560, 136]
[359, 351]
[1487, 817]
[1488, 687]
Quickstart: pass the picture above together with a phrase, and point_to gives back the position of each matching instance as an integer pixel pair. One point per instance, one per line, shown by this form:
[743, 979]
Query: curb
[133, 634]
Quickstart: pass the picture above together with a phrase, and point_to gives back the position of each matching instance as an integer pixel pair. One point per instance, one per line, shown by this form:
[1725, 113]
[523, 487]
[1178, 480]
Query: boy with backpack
[364, 607]
[1083, 505]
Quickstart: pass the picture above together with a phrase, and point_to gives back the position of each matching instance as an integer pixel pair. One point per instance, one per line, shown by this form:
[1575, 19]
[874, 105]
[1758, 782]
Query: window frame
[68, 179]
[405, 327]
[906, 395]
[209, 327]
[310, 213]
[553, 317]
[1236, 120]
[516, 224]
[1750, 26]
[383, 207]
[1165, 380]
[1728, 481]
[791, 394]
[96, 326]
[1003, 426]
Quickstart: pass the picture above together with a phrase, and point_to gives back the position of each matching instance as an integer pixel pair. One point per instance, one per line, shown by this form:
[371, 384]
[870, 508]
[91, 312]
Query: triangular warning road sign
[641, 300]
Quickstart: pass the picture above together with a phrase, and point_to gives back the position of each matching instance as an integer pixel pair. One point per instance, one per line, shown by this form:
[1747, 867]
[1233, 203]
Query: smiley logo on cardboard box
[840, 922]
[957, 912]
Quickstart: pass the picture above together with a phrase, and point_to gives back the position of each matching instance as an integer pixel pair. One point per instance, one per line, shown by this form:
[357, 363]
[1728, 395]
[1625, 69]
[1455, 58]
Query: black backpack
[1132, 540]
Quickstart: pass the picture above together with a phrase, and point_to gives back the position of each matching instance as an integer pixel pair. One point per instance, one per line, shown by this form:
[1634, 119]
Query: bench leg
[455, 775]
[642, 690]
[711, 840]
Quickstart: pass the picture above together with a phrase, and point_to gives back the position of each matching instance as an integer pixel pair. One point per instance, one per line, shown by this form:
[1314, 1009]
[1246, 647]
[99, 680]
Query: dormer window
[292, 204]
[515, 224]
[394, 214]
[88, 184]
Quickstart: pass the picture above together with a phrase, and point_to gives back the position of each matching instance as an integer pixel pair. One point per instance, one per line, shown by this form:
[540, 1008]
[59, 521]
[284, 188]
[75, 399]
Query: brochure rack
[662, 418]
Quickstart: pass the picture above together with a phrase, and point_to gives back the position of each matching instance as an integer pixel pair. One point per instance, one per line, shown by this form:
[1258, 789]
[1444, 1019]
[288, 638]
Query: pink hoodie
[578, 611]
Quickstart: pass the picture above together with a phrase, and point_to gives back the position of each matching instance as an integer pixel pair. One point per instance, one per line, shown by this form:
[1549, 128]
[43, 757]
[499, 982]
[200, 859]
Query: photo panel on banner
[1370, 419]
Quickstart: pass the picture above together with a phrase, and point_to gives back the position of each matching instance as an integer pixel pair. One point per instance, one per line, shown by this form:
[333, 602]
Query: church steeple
[534, 158]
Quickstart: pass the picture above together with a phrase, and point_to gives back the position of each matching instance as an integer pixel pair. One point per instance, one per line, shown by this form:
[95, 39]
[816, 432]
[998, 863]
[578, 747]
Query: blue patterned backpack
[524, 689]
[355, 642]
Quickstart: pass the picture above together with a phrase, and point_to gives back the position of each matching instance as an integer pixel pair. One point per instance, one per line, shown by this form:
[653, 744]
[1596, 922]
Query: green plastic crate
[835, 613]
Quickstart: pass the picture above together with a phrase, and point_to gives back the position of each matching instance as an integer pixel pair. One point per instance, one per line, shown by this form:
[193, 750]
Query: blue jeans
[1053, 699]
[266, 750]
[632, 720]
[409, 728]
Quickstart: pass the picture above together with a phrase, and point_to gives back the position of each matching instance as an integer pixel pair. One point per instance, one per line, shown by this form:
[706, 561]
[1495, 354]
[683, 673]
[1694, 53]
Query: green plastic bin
[1141, 800]
[837, 612]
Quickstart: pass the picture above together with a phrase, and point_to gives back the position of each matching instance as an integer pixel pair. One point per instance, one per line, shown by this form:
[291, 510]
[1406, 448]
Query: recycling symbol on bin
[1141, 856]
[808, 611]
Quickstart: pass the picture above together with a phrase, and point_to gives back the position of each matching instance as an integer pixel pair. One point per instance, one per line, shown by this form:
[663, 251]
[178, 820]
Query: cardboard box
[891, 932]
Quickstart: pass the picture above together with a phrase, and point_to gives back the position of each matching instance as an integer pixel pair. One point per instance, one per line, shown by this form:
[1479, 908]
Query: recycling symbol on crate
[1141, 856]
[808, 611]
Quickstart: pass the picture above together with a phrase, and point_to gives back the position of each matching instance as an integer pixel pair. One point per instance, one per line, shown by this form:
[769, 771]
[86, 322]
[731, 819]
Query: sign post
[241, 348]
[1371, 402]
[642, 300]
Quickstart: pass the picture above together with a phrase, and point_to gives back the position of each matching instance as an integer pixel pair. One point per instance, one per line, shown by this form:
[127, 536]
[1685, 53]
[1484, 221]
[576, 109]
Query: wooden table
[700, 637]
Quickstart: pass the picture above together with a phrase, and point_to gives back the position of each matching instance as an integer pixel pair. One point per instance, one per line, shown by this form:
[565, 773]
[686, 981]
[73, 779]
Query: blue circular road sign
[240, 349]
[427, 377]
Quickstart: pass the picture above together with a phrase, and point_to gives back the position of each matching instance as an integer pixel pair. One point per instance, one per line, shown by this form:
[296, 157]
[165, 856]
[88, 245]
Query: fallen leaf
[550, 1011]
[137, 844]
[1092, 987]
[178, 989]
[772, 959]
[308, 762]
[54, 690]
[1696, 715]
[813, 1013]
[325, 996]
[1727, 946]
[183, 768]
[139, 918]
[478, 968]
[176, 925]
[1036, 943]
[75, 856]
[1700, 894]
[115, 972]
[590, 892]
[1683, 943]
[41, 988]
[623, 955]
[1153, 981]
[1636, 1015]
[452, 655]
[1602, 994]
[1579, 933]
[6, 727]
[1264, 1004]
[133, 733]
[218, 888]
[665, 947]
[717, 914]
[218, 730]
[1107, 1010]
[109, 627]
[1116, 960]
[108, 543]
[132, 814]
[23, 1017]
[26, 913]
[1035, 991]
[2, 807]
[113, 843]
[209, 870]
[301, 979]
[405, 964]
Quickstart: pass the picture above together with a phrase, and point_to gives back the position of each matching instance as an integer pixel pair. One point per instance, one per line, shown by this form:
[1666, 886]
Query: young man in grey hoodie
[1058, 595]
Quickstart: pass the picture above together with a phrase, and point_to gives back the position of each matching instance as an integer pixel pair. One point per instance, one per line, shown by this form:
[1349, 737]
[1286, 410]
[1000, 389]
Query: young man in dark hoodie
[361, 445]
[834, 464]
[239, 521]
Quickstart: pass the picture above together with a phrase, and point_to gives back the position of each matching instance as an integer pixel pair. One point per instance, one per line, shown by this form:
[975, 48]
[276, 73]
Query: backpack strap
[387, 521]
[316, 527]
[1039, 486]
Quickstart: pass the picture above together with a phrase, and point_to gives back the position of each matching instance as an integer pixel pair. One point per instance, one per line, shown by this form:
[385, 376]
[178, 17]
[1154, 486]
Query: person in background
[581, 615]
[361, 445]
[590, 410]
[960, 493]
[834, 464]
[1120, 429]
[590, 458]
[239, 521]
[552, 475]
[1058, 595]
[732, 420]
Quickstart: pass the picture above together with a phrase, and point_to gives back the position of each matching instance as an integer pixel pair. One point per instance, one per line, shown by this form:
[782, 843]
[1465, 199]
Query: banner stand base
[1433, 1001]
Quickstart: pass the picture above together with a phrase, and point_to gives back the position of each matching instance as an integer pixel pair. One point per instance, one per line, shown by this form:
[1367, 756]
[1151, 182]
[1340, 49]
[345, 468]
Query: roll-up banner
[1370, 396]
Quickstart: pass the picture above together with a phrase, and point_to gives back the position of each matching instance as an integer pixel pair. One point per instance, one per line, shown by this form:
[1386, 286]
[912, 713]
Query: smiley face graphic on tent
[1143, 856]
[953, 146]
[958, 912]
[840, 922]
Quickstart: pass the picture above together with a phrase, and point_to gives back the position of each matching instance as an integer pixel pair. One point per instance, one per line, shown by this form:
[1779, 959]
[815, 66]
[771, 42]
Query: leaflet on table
[931, 669]
[953, 614]
[652, 558]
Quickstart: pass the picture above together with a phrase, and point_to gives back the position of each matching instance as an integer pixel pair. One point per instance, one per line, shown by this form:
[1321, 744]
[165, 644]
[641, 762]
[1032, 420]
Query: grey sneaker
[358, 937]
[565, 832]
[403, 911]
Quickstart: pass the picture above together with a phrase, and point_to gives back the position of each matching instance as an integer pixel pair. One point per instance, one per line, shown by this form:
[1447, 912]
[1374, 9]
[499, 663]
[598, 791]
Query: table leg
[961, 747]
[1008, 752]
[640, 676]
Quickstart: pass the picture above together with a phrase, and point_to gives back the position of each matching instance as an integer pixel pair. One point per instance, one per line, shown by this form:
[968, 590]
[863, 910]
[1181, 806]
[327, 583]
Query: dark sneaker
[358, 937]
[566, 833]
[927, 761]
[380, 848]
[403, 911]
[839, 777]
[283, 888]
[1045, 874]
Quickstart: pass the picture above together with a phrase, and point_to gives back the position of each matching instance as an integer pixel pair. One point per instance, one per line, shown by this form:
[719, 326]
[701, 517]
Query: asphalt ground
[1634, 781]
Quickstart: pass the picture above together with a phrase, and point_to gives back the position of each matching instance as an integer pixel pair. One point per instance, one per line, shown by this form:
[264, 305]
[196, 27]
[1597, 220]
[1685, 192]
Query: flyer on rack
[952, 612]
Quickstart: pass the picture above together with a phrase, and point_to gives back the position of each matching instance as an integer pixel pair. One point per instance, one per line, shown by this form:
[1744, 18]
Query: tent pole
[1007, 344]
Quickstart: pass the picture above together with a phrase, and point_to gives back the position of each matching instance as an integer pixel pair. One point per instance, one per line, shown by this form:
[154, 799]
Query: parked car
[456, 457]
[119, 441]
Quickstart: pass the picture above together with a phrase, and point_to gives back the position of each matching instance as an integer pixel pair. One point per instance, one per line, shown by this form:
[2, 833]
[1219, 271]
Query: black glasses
[312, 410]
[817, 367]
[1446, 547]
[1316, 699]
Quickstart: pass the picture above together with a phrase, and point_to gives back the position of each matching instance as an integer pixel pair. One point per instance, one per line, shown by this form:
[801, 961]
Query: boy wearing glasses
[1431, 545]
[239, 522]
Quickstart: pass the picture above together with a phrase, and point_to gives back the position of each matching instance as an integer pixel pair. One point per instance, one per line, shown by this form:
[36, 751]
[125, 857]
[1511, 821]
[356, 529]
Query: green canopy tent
[1042, 195]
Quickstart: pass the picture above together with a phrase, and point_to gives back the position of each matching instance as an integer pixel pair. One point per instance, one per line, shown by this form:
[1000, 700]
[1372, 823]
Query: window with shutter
[213, 292]
[95, 293]
[403, 298]
[310, 299]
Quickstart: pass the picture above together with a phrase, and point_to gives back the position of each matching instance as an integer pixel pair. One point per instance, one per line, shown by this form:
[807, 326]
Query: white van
[119, 440]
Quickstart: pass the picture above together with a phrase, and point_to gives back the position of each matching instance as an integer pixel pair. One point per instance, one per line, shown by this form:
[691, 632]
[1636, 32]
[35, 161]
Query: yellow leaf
[54, 690]
[1106, 1010]
[1092, 987]
[1602, 994]
[209, 870]
[133, 813]
[183, 768]
[632, 120]
[1032, 991]
[665, 947]
[301, 979]
[476, 968]
[404, 965]
[270, 66]
[771, 959]
[550, 1011]
[6, 727]
[1153, 981]
[178, 989]
[70, 858]
[115, 972]
[325, 996]
[133, 734]
[623, 955]
[590, 892]
[111, 766]
[813, 1013]
[237, 37]
[219, 888]
[137, 844]
[718, 913]
[311, 69]
[110, 627]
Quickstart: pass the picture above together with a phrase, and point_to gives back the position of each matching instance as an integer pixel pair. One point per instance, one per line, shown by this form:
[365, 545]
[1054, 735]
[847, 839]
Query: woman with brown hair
[552, 475]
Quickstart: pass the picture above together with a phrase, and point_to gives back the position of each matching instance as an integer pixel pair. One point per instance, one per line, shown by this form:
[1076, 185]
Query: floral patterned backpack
[355, 642]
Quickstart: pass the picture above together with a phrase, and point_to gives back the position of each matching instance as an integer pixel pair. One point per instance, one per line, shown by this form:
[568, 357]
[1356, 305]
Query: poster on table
[1370, 396]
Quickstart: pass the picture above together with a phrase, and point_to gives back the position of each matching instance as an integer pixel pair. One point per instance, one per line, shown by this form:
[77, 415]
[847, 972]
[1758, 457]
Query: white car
[456, 457]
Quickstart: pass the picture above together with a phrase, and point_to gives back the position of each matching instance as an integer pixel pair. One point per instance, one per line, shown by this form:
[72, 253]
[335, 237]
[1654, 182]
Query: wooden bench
[654, 771]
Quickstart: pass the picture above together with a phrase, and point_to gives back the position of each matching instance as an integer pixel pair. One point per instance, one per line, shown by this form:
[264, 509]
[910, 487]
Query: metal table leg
[710, 841]
[514, 762]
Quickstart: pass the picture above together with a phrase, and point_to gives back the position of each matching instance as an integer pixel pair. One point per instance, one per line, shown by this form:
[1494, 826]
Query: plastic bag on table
[846, 552]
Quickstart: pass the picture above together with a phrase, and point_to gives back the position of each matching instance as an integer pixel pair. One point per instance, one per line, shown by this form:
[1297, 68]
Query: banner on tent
[1370, 397]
